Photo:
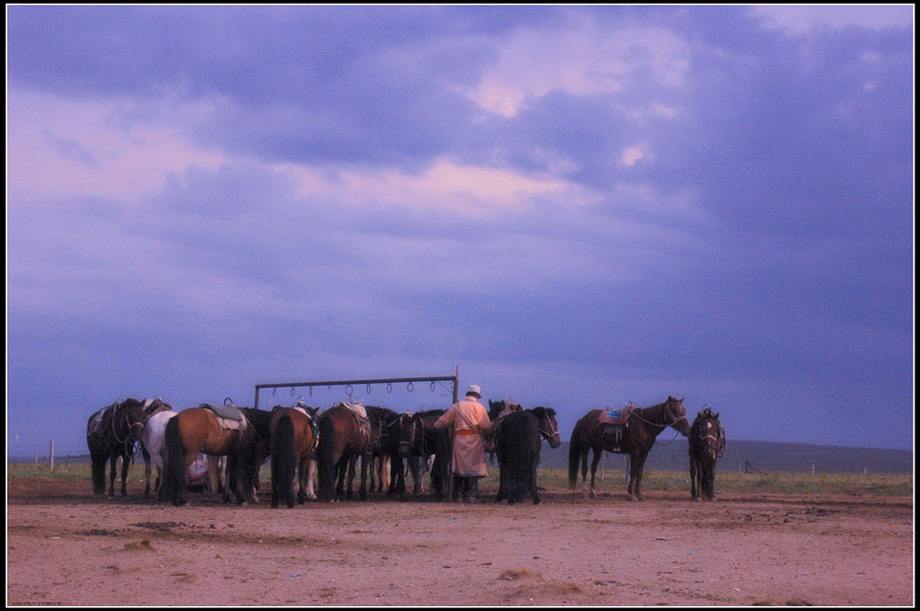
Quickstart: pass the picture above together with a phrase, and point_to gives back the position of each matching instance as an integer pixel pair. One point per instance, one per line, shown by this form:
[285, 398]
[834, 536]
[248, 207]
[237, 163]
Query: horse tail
[175, 481]
[574, 456]
[283, 455]
[325, 458]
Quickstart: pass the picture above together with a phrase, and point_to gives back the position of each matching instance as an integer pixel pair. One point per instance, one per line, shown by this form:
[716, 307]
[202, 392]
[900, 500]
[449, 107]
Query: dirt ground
[65, 547]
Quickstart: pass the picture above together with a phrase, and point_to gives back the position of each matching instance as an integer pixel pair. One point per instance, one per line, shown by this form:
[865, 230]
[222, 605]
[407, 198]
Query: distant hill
[763, 456]
[757, 455]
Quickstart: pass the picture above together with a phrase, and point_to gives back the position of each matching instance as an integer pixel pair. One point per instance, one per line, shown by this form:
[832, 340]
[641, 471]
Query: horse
[293, 441]
[254, 451]
[517, 443]
[707, 444]
[420, 440]
[111, 433]
[344, 436]
[643, 425]
[386, 434]
[153, 443]
[200, 429]
[497, 411]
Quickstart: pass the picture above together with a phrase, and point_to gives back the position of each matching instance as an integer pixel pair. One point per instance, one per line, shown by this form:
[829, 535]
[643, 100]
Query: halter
[552, 433]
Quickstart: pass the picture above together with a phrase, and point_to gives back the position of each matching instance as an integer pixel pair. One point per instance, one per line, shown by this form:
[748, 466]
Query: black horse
[419, 439]
[707, 444]
[518, 441]
[111, 433]
[255, 451]
[384, 450]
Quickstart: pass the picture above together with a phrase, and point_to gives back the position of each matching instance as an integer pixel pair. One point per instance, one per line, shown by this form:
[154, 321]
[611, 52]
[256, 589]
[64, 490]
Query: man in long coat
[469, 420]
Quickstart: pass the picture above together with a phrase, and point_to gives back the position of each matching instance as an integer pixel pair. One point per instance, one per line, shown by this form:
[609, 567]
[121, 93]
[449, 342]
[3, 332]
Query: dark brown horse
[643, 425]
[344, 436]
[111, 433]
[707, 444]
[293, 441]
[199, 429]
[517, 443]
[419, 439]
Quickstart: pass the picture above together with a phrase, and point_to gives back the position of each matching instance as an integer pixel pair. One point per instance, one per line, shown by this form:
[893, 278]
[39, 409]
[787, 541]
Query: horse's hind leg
[635, 478]
[535, 493]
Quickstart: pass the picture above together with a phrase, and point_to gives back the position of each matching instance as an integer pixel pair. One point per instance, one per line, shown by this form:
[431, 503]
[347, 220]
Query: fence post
[52, 456]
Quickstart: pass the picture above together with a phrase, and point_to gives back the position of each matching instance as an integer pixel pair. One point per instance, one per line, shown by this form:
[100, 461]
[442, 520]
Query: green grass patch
[557, 480]
[778, 483]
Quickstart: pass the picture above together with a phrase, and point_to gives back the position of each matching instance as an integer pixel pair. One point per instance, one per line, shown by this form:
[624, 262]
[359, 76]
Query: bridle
[668, 410]
[129, 439]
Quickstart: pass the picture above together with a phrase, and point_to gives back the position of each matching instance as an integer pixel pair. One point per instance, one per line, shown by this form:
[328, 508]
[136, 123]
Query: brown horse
[198, 429]
[111, 433]
[293, 441]
[344, 436]
[643, 425]
[707, 444]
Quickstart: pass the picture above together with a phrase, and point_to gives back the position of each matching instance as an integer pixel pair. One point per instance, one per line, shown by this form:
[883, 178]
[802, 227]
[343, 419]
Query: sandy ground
[66, 548]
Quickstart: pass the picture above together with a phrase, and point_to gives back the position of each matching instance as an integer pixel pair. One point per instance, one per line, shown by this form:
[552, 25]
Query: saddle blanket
[617, 417]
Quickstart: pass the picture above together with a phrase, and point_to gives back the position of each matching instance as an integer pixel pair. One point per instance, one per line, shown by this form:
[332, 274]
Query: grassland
[557, 480]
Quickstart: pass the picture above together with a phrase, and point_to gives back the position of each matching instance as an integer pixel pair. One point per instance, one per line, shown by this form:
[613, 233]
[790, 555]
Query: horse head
[409, 426]
[546, 422]
[678, 415]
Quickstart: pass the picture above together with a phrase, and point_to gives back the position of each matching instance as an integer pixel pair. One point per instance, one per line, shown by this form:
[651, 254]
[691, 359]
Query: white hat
[474, 390]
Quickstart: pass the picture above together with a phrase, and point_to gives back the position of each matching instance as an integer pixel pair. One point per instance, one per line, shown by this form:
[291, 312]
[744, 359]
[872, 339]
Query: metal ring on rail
[410, 386]
[349, 390]
[228, 401]
[432, 386]
[389, 388]
[368, 389]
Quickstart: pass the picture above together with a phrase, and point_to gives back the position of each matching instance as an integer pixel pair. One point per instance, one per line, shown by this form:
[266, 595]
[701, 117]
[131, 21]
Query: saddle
[228, 416]
[360, 414]
[102, 419]
[613, 422]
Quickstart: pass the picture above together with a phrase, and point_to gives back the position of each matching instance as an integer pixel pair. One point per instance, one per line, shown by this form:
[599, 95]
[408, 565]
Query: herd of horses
[305, 444]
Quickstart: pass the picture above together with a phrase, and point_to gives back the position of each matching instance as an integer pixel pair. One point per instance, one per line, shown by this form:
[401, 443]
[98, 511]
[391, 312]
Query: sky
[577, 206]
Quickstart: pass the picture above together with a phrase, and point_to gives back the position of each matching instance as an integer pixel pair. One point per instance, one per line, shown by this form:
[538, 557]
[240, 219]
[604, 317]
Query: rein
[674, 420]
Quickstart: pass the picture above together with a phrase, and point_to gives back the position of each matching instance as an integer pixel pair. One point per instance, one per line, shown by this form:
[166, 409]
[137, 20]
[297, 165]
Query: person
[469, 420]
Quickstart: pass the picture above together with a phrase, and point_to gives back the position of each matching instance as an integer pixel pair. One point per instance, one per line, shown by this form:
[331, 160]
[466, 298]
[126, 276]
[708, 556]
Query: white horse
[154, 445]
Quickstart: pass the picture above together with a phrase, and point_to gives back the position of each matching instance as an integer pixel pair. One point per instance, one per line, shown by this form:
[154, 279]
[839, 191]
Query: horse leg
[709, 475]
[311, 479]
[125, 464]
[146, 472]
[113, 463]
[534, 492]
[635, 477]
[694, 473]
[596, 458]
[365, 465]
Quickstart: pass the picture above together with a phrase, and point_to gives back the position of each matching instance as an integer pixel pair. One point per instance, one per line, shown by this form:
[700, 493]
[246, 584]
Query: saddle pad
[618, 417]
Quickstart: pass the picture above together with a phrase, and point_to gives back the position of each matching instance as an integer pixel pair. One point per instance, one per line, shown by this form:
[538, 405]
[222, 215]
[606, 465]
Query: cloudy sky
[578, 206]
